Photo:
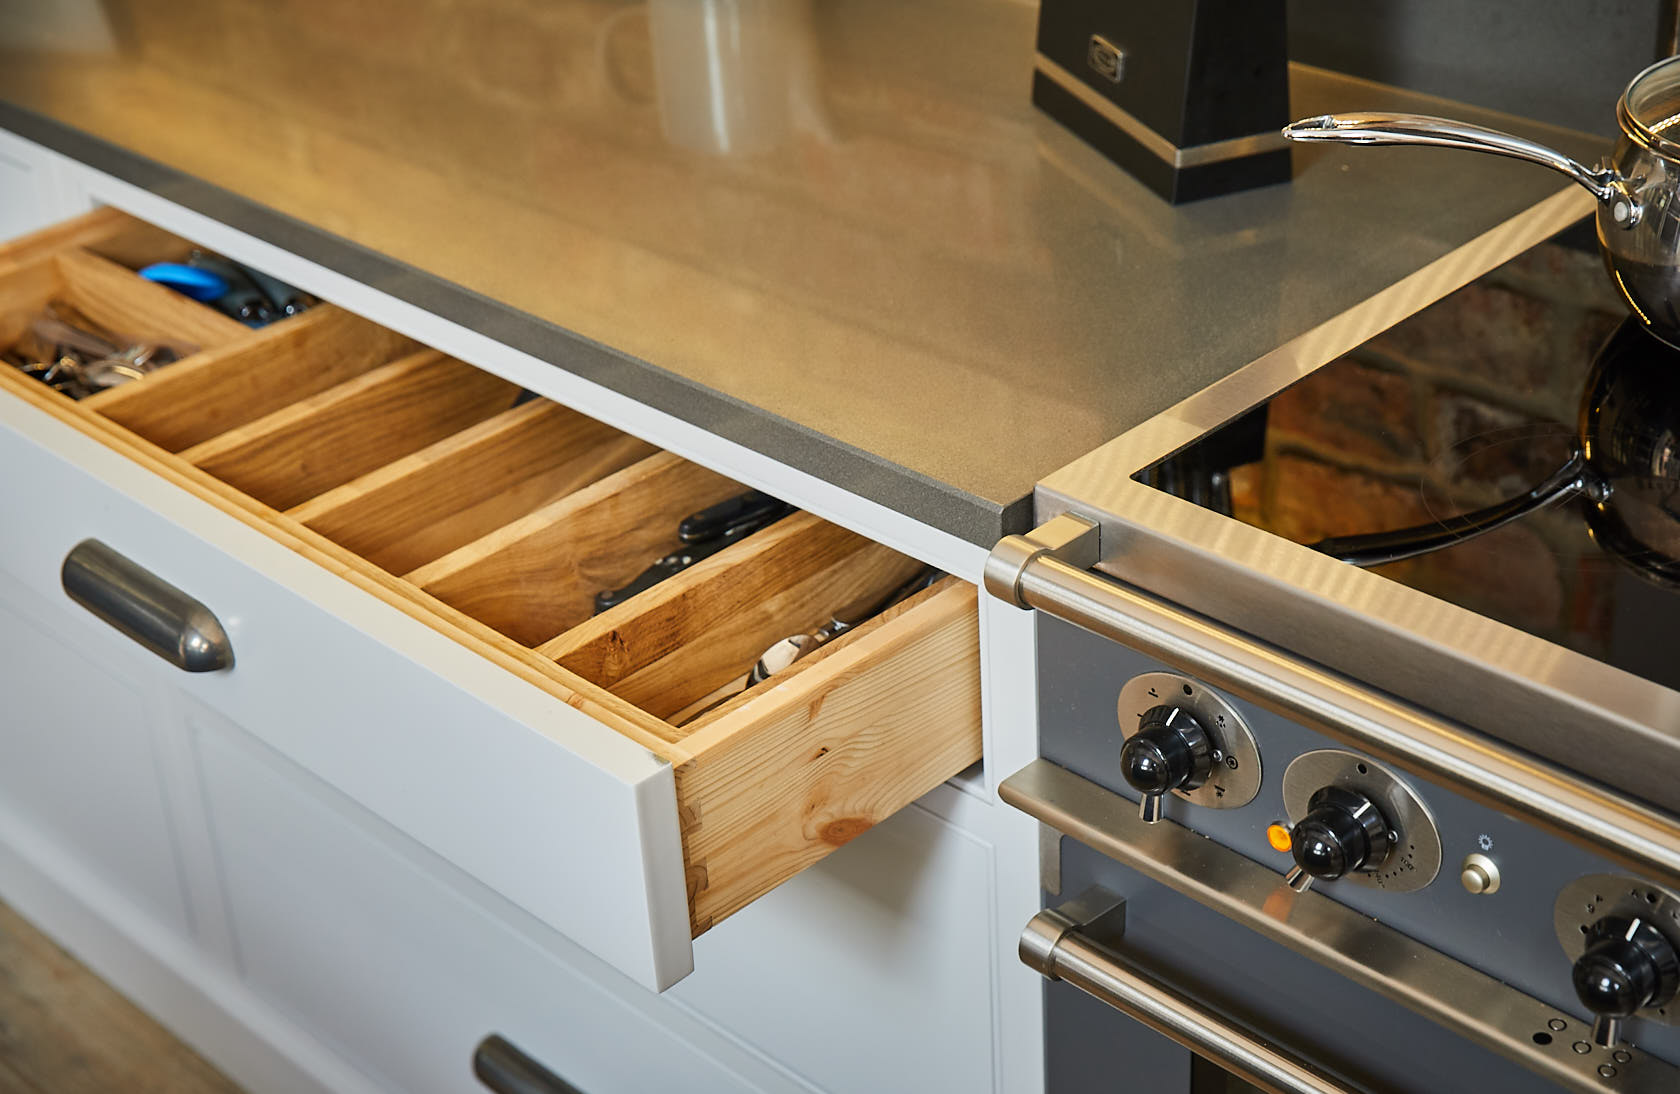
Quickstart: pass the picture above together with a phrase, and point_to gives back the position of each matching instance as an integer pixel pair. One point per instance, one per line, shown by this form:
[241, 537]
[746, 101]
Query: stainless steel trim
[1523, 689]
[1423, 979]
[1607, 823]
[1158, 146]
[146, 608]
[1055, 945]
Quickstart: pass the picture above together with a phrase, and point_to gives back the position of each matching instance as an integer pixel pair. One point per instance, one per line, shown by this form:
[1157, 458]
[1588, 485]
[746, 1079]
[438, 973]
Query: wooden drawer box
[404, 552]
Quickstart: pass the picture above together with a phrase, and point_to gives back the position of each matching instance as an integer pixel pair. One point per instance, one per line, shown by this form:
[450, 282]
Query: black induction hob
[1473, 402]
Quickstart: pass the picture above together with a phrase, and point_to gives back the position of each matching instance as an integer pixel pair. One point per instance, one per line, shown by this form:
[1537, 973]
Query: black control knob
[1343, 833]
[1628, 965]
[1170, 751]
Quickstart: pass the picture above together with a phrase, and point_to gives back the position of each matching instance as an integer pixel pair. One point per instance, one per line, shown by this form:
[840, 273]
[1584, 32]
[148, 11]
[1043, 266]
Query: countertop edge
[939, 505]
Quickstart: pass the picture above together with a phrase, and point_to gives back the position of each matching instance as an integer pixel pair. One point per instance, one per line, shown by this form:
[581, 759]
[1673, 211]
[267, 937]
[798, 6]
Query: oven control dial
[1354, 820]
[1343, 833]
[1623, 935]
[1628, 965]
[1170, 751]
[1185, 740]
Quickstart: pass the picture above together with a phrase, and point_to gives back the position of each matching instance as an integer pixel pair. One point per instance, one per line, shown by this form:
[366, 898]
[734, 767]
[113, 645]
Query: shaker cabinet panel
[399, 972]
[78, 768]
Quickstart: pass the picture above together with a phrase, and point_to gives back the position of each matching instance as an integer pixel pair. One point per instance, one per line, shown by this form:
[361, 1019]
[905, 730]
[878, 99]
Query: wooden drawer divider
[374, 458]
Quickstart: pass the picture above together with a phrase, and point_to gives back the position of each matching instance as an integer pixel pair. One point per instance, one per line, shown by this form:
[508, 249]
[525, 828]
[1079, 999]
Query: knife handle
[678, 561]
[751, 507]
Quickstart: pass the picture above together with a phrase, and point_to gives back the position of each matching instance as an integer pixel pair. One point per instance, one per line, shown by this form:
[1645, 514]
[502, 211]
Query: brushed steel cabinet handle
[506, 1070]
[1057, 945]
[145, 607]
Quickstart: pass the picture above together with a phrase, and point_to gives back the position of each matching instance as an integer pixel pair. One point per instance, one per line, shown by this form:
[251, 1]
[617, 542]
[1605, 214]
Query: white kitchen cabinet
[423, 776]
[79, 770]
[382, 951]
[888, 944]
[425, 688]
[551, 809]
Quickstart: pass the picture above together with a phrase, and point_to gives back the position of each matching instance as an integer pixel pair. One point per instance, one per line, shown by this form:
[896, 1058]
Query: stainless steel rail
[146, 608]
[1054, 945]
[1046, 570]
[1542, 1038]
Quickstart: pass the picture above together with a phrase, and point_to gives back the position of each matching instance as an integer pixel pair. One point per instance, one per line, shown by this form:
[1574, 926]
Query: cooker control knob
[1343, 832]
[1628, 965]
[1170, 751]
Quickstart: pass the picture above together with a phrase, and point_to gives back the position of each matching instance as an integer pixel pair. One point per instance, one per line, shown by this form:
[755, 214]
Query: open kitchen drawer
[404, 551]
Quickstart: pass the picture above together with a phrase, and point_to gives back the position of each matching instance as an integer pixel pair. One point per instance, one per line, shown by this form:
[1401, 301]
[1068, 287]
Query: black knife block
[1188, 96]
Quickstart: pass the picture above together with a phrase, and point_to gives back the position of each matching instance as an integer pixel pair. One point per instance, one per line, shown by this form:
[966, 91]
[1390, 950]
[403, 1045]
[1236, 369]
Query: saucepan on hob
[1623, 470]
[1638, 211]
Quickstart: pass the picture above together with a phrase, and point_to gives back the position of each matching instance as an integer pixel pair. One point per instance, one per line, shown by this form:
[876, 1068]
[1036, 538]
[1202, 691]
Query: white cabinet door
[79, 776]
[872, 971]
[364, 940]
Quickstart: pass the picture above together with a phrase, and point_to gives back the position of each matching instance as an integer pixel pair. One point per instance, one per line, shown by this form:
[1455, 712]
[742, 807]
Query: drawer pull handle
[146, 608]
[506, 1070]
[1058, 943]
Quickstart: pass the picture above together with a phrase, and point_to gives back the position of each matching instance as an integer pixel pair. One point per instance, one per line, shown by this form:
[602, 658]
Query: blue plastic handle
[190, 281]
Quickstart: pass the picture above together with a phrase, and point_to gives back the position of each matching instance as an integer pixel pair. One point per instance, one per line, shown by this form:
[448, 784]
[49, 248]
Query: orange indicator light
[1278, 836]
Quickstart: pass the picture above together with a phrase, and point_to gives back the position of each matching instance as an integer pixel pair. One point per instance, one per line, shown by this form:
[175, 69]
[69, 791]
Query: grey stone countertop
[898, 276]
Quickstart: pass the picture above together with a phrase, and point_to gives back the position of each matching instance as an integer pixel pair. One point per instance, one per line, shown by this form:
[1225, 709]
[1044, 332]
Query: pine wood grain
[107, 232]
[308, 448]
[767, 784]
[257, 373]
[129, 306]
[65, 1031]
[536, 577]
[418, 509]
[690, 635]
[812, 761]
[507, 655]
[25, 289]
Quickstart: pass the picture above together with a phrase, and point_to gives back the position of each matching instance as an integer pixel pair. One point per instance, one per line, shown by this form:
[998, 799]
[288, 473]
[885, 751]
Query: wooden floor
[65, 1031]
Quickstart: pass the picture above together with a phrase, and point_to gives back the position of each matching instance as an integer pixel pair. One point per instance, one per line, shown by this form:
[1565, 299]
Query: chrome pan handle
[1046, 570]
[145, 607]
[1381, 128]
[1056, 945]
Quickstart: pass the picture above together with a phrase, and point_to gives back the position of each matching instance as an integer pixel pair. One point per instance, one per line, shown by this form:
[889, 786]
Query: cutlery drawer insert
[492, 518]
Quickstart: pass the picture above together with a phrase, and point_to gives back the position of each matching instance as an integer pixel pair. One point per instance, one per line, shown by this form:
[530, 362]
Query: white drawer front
[565, 817]
[402, 973]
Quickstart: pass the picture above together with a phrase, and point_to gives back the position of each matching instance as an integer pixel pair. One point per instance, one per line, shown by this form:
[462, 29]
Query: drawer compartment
[492, 517]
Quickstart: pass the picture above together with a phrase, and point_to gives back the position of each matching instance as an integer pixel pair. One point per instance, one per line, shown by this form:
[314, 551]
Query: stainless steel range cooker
[1400, 827]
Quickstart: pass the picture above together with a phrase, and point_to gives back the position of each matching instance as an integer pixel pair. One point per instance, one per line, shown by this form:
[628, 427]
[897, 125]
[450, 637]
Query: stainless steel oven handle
[1048, 571]
[1055, 945]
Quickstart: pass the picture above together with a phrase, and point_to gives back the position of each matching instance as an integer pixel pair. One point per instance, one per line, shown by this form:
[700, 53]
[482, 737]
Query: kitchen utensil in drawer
[326, 449]
[202, 285]
[785, 652]
[242, 300]
[704, 534]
